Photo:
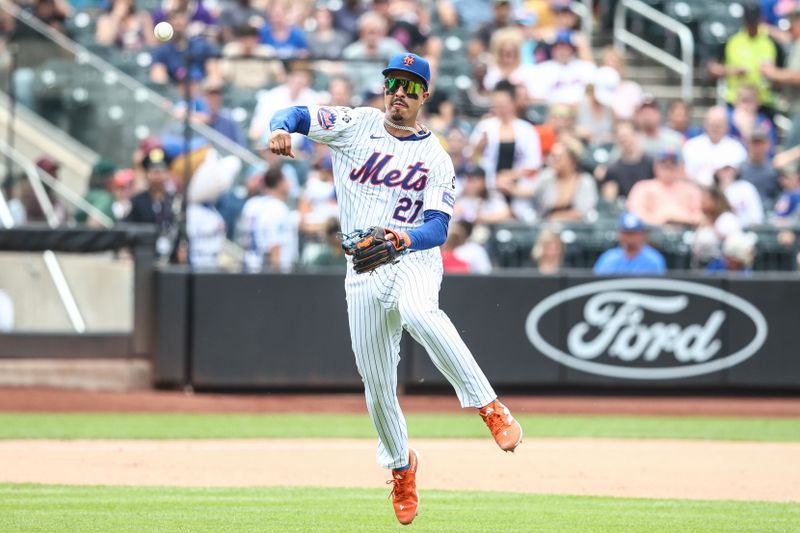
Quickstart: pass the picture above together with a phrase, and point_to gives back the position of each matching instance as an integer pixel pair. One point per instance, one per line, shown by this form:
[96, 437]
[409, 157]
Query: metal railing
[683, 66]
[38, 179]
[585, 10]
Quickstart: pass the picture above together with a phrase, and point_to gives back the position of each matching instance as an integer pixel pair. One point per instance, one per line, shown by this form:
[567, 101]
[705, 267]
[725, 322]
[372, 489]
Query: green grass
[195, 426]
[29, 508]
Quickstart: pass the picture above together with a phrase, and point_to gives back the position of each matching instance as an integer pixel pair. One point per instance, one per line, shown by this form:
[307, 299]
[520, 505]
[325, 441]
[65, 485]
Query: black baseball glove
[374, 247]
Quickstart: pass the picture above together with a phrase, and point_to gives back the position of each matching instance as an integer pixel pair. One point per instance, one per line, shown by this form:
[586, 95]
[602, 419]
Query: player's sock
[402, 468]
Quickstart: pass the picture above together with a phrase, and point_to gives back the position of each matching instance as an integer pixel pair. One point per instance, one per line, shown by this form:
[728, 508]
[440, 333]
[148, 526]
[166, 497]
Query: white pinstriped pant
[379, 306]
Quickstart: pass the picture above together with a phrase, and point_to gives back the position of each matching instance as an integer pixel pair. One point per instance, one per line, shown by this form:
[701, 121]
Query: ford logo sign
[645, 328]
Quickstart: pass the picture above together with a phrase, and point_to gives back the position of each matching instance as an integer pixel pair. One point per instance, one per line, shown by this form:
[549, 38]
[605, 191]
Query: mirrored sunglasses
[412, 88]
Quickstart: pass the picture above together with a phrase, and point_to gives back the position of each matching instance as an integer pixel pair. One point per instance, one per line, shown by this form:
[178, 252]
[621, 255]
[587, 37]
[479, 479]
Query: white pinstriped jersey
[382, 180]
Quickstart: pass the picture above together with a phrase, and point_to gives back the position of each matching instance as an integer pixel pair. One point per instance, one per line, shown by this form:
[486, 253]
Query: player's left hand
[375, 247]
[280, 142]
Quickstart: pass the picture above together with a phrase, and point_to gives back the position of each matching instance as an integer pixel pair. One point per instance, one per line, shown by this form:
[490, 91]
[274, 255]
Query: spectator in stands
[457, 144]
[346, 17]
[502, 19]
[99, 194]
[758, 168]
[451, 263]
[679, 119]
[560, 122]
[507, 147]
[633, 255]
[713, 149]
[157, 204]
[738, 253]
[505, 63]
[170, 59]
[787, 208]
[562, 191]
[409, 24]
[296, 91]
[742, 196]
[372, 44]
[548, 252]
[668, 198]
[717, 223]
[341, 92]
[563, 79]
[197, 15]
[470, 251]
[238, 14]
[53, 13]
[566, 18]
[478, 204]
[744, 55]
[122, 190]
[326, 41]
[317, 202]
[6, 313]
[126, 27]
[246, 64]
[623, 94]
[744, 118]
[632, 166]
[268, 226]
[287, 39]
[205, 227]
[655, 138]
[219, 118]
[33, 209]
[595, 120]
[329, 253]
[789, 78]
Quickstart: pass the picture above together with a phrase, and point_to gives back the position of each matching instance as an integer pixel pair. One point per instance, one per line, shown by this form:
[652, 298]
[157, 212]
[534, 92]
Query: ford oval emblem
[640, 329]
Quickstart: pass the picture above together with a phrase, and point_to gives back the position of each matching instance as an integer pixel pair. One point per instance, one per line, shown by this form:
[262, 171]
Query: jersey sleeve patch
[326, 118]
[448, 199]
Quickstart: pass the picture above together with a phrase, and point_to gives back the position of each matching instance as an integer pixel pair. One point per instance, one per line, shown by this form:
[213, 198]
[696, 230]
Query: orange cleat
[405, 497]
[506, 431]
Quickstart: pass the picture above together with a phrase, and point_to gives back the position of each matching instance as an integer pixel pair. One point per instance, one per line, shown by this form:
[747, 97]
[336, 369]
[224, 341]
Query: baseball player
[395, 185]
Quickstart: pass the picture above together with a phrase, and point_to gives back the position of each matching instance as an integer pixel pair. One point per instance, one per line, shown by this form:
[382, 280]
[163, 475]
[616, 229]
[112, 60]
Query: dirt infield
[51, 400]
[609, 467]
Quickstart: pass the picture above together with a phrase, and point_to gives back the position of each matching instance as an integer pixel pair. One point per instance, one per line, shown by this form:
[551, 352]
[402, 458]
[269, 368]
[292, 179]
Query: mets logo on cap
[408, 60]
[326, 117]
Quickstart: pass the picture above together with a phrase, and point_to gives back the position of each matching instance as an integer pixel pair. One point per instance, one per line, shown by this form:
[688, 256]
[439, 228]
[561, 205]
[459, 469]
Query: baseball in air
[163, 31]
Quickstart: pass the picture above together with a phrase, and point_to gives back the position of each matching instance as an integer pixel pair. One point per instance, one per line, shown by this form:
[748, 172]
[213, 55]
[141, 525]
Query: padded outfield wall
[269, 331]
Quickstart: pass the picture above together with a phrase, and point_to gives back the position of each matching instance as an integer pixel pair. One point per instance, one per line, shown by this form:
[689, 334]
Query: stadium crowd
[548, 132]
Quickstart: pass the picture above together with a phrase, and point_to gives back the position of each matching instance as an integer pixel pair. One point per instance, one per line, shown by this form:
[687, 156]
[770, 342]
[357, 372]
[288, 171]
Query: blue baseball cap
[564, 37]
[630, 222]
[669, 153]
[412, 63]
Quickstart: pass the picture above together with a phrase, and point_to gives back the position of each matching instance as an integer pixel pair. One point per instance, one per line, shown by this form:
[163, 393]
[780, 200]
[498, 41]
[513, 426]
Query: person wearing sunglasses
[392, 176]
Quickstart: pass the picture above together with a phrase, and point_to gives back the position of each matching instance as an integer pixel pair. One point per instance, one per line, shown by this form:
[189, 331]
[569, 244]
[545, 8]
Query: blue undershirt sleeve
[432, 233]
[292, 119]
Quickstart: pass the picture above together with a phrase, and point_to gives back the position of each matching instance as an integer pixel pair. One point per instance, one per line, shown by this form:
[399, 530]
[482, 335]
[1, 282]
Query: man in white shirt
[268, 227]
[296, 91]
[563, 79]
[712, 150]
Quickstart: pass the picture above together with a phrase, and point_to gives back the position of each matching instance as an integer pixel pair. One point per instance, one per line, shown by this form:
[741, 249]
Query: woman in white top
[563, 192]
[718, 222]
[507, 147]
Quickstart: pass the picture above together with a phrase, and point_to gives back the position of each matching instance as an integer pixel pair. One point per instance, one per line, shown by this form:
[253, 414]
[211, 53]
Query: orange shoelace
[495, 420]
[400, 490]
